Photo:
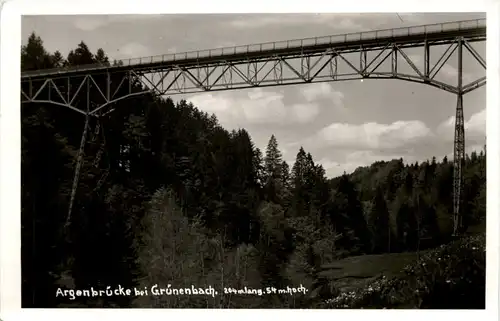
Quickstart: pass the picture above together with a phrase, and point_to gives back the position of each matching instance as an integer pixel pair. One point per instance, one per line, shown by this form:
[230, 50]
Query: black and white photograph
[254, 161]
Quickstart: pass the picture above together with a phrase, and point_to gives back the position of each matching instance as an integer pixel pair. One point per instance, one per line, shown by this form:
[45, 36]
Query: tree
[101, 57]
[57, 59]
[346, 212]
[406, 224]
[171, 250]
[81, 55]
[381, 227]
[273, 162]
[275, 244]
[33, 54]
[299, 200]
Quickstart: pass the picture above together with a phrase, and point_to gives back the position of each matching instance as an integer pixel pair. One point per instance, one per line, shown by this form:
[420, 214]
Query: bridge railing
[267, 46]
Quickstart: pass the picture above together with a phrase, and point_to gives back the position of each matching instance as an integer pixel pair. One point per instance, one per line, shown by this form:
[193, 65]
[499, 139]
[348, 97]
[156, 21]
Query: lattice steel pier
[381, 54]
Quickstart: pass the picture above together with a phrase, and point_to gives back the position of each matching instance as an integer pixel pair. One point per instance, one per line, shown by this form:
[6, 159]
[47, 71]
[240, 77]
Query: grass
[354, 273]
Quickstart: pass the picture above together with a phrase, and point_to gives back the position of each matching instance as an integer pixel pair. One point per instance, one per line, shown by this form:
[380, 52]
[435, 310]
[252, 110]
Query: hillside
[357, 272]
[437, 278]
[168, 196]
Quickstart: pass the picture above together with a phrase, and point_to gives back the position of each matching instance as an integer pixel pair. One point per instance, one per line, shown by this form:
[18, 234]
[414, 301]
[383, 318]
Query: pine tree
[273, 171]
[33, 55]
[285, 175]
[299, 185]
[298, 169]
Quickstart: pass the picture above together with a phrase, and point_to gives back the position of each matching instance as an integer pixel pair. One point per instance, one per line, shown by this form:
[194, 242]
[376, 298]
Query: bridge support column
[459, 150]
[79, 159]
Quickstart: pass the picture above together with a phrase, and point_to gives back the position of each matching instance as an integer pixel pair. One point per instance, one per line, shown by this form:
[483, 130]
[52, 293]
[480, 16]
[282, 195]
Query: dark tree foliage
[162, 181]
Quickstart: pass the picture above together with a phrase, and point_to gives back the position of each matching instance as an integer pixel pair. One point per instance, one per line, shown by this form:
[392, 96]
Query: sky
[343, 125]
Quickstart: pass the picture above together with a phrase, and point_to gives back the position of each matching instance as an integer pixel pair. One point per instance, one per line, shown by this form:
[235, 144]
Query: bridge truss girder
[331, 65]
[388, 60]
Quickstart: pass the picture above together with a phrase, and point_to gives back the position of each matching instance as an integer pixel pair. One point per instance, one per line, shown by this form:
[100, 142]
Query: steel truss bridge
[380, 54]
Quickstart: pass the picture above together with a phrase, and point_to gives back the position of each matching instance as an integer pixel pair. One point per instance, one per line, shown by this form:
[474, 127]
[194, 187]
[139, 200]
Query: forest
[168, 196]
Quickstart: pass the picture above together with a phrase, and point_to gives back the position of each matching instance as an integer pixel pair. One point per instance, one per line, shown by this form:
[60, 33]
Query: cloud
[339, 21]
[451, 73]
[90, 23]
[447, 71]
[373, 135]
[343, 22]
[93, 22]
[322, 90]
[257, 106]
[367, 157]
[263, 107]
[477, 123]
[350, 146]
[475, 127]
[304, 113]
[468, 150]
[361, 145]
[333, 168]
[412, 18]
[132, 50]
[352, 160]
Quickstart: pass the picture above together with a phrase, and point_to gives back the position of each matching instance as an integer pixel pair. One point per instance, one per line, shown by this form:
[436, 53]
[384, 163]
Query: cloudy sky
[342, 124]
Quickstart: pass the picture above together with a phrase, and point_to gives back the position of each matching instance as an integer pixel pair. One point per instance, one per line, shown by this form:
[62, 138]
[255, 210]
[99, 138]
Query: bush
[451, 276]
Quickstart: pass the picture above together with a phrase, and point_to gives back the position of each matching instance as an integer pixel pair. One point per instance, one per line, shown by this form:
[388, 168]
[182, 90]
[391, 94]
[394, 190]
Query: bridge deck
[406, 36]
